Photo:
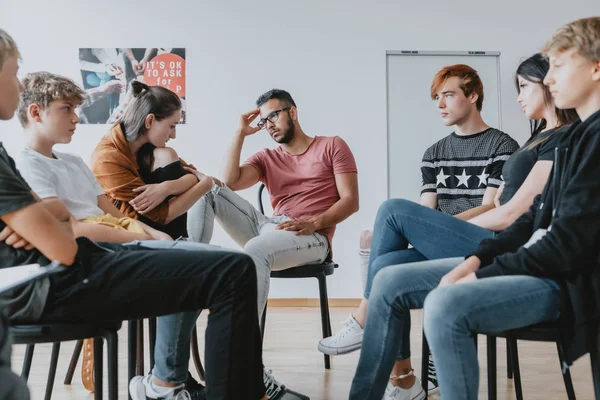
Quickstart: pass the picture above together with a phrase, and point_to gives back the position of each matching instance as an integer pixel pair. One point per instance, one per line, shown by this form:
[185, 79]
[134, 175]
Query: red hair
[470, 81]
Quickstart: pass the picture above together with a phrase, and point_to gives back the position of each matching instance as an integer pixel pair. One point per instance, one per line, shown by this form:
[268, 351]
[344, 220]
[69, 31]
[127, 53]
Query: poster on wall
[107, 74]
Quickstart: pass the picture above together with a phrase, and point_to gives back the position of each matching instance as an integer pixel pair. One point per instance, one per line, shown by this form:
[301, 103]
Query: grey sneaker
[277, 391]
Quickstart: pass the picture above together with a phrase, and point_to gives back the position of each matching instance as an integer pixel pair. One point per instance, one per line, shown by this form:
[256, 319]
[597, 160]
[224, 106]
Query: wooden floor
[291, 352]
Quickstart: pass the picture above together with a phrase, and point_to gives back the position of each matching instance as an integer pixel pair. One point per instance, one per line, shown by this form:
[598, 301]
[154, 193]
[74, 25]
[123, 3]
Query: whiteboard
[413, 119]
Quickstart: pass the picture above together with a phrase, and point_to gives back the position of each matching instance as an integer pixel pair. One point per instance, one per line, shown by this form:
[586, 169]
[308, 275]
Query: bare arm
[182, 203]
[429, 200]
[108, 207]
[501, 217]
[238, 177]
[46, 232]
[486, 204]
[180, 185]
[348, 204]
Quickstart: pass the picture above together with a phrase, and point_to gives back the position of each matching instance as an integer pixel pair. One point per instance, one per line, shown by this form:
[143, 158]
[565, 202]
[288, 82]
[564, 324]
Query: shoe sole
[421, 396]
[137, 391]
[433, 391]
[337, 351]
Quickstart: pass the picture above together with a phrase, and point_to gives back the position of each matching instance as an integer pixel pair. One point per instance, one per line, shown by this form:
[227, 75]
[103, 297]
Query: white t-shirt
[66, 177]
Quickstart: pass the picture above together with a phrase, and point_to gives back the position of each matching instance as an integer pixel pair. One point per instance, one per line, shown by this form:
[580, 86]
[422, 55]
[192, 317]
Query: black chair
[319, 271]
[539, 333]
[546, 332]
[136, 350]
[31, 335]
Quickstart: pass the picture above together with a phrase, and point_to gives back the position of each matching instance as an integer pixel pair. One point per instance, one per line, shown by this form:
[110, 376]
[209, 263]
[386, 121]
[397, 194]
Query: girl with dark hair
[435, 235]
[147, 180]
[142, 176]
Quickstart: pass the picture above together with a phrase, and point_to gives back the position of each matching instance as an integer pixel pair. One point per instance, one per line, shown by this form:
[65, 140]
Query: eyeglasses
[272, 117]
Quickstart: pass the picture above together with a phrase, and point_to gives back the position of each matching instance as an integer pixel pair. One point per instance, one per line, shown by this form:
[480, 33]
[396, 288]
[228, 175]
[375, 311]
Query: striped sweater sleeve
[428, 180]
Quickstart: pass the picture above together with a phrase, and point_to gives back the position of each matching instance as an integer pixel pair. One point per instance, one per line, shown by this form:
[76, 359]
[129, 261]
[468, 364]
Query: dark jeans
[11, 386]
[133, 282]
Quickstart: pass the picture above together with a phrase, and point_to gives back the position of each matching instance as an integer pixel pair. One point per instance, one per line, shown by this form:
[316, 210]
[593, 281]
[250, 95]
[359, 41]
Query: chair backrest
[261, 188]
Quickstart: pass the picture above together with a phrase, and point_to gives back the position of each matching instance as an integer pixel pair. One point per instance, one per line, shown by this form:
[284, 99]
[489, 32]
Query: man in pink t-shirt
[313, 186]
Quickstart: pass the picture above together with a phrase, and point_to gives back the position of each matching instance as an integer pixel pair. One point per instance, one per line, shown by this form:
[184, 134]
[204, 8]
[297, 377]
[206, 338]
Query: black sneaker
[196, 390]
[432, 382]
[277, 391]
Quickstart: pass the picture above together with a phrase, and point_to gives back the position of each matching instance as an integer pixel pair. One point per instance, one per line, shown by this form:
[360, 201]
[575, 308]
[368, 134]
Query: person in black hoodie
[544, 267]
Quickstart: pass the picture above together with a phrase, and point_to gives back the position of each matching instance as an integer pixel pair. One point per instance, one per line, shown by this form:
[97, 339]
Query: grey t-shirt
[25, 304]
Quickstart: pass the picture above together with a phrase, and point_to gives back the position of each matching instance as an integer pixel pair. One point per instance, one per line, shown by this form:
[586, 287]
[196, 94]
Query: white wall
[329, 54]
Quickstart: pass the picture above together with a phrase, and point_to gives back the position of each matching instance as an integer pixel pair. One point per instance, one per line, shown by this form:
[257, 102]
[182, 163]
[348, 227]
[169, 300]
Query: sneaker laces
[348, 324]
[272, 385]
[431, 374]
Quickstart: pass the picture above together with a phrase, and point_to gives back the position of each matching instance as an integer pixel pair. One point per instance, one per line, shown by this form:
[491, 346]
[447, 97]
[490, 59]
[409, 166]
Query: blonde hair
[42, 88]
[582, 35]
[8, 47]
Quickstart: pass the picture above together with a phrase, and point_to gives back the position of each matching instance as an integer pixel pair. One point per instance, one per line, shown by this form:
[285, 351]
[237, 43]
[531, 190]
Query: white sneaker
[345, 341]
[140, 388]
[416, 392]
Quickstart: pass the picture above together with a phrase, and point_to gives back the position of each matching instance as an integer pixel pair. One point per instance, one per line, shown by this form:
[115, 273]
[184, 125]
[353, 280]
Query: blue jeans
[172, 351]
[396, 290]
[432, 234]
[453, 314]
